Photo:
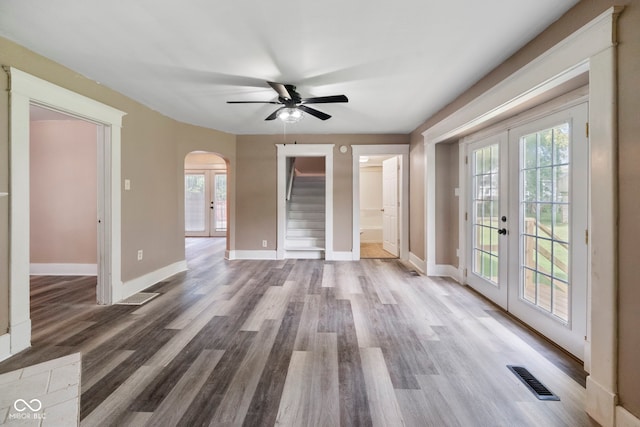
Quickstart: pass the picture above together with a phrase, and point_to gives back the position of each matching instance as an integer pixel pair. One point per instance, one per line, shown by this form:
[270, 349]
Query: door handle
[502, 231]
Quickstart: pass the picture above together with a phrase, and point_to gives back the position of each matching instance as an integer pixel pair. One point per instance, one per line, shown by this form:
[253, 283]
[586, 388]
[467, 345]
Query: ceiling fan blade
[253, 102]
[314, 112]
[325, 99]
[273, 115]
[281, 89]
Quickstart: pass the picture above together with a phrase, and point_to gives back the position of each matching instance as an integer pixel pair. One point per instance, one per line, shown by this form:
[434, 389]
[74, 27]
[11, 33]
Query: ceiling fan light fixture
[290, 115]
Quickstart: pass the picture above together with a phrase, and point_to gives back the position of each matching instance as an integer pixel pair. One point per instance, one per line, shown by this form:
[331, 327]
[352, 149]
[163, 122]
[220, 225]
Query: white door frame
[402, 151]
[304, 150]
[26, 89]
[592, 47]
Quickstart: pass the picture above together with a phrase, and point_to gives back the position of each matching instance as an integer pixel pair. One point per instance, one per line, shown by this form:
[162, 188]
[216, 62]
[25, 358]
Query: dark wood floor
[299, 342]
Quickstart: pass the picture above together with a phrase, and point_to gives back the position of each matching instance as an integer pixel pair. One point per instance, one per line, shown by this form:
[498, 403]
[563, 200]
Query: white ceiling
[398, 62]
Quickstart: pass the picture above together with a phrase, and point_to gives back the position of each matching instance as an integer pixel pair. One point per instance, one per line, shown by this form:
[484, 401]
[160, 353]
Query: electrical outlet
[140, 255]
[264, 243]
[127, 184]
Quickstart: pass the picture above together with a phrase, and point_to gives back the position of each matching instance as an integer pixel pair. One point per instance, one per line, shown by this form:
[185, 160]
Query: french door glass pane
[220, 202]
[544, 213]
[485, 212]
[194, 203]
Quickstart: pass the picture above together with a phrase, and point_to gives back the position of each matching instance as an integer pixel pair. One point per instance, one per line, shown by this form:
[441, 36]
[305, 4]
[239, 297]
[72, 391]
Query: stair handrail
[292, 174]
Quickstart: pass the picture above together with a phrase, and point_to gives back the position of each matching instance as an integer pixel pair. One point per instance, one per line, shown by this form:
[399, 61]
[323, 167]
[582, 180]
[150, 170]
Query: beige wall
[629, 172]
[256, 214]
[63, 194]
[447, 203]
[153, 152]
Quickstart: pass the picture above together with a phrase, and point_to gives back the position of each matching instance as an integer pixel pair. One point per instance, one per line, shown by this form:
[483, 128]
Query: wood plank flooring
[374, 251]
[299, 343]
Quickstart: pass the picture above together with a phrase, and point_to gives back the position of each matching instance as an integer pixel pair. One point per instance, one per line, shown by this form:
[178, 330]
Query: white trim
[57, 269]
[143, 282]
[625, 418]
[20, 336]
[401, 150]
[24, 90]
[418, 263]
[304, 150]
[247, 254]
[341, 256]
[5, 346]
[600, 402]
[444, 270]
[430, 199]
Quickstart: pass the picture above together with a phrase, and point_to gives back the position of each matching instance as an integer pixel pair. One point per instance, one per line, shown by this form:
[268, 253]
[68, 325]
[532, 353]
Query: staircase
[305, 218]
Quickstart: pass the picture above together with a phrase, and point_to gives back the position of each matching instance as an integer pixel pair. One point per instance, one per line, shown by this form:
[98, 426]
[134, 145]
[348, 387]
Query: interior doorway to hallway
[379, 220]
[380, 201]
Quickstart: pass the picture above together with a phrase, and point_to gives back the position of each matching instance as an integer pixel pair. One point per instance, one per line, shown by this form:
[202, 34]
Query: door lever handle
[502, 231]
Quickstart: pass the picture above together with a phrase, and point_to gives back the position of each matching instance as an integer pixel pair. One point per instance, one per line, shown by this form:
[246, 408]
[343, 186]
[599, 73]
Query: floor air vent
[139, 299]
[536, 387]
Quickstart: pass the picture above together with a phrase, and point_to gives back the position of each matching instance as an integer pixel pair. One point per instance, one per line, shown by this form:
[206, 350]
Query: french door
[205, 203]
[527, 230]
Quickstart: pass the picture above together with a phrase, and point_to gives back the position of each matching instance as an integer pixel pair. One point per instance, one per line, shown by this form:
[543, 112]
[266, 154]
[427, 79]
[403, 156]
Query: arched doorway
[205, 190]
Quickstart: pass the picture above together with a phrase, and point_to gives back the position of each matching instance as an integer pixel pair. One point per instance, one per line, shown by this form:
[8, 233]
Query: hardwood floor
[299, 343]
[374, 251]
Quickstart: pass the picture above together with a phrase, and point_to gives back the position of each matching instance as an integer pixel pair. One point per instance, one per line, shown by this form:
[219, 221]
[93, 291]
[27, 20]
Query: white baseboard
[20, 336]
[625, 418]
[248, 254]
[339, 256]
[143, 282]
[418, 263]
[444, 270]
[5, 346]
[601, 403]
[51, 269]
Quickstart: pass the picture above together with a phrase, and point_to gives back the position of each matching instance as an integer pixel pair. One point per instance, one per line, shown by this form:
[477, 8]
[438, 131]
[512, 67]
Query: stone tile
[51, 364]
[10, 376]
[63, 414]
[25, 388]
[64, 376]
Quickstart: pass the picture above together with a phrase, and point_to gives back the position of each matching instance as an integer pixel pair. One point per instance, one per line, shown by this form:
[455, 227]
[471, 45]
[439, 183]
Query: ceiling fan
[293, 105]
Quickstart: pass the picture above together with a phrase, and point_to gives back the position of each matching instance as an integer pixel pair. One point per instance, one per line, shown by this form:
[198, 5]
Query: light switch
[127, 184]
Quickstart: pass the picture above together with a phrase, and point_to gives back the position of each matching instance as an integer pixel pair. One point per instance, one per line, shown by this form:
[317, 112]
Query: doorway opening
[25, 91]
[310, 233]
[63, 186]
[379, 220]
[205, 195]
[380, 201]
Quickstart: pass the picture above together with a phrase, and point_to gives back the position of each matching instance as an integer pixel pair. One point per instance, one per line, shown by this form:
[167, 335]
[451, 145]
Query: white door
[548, 270]
[527, 221]
[486, 217]
[205, 202]
[390, 205]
